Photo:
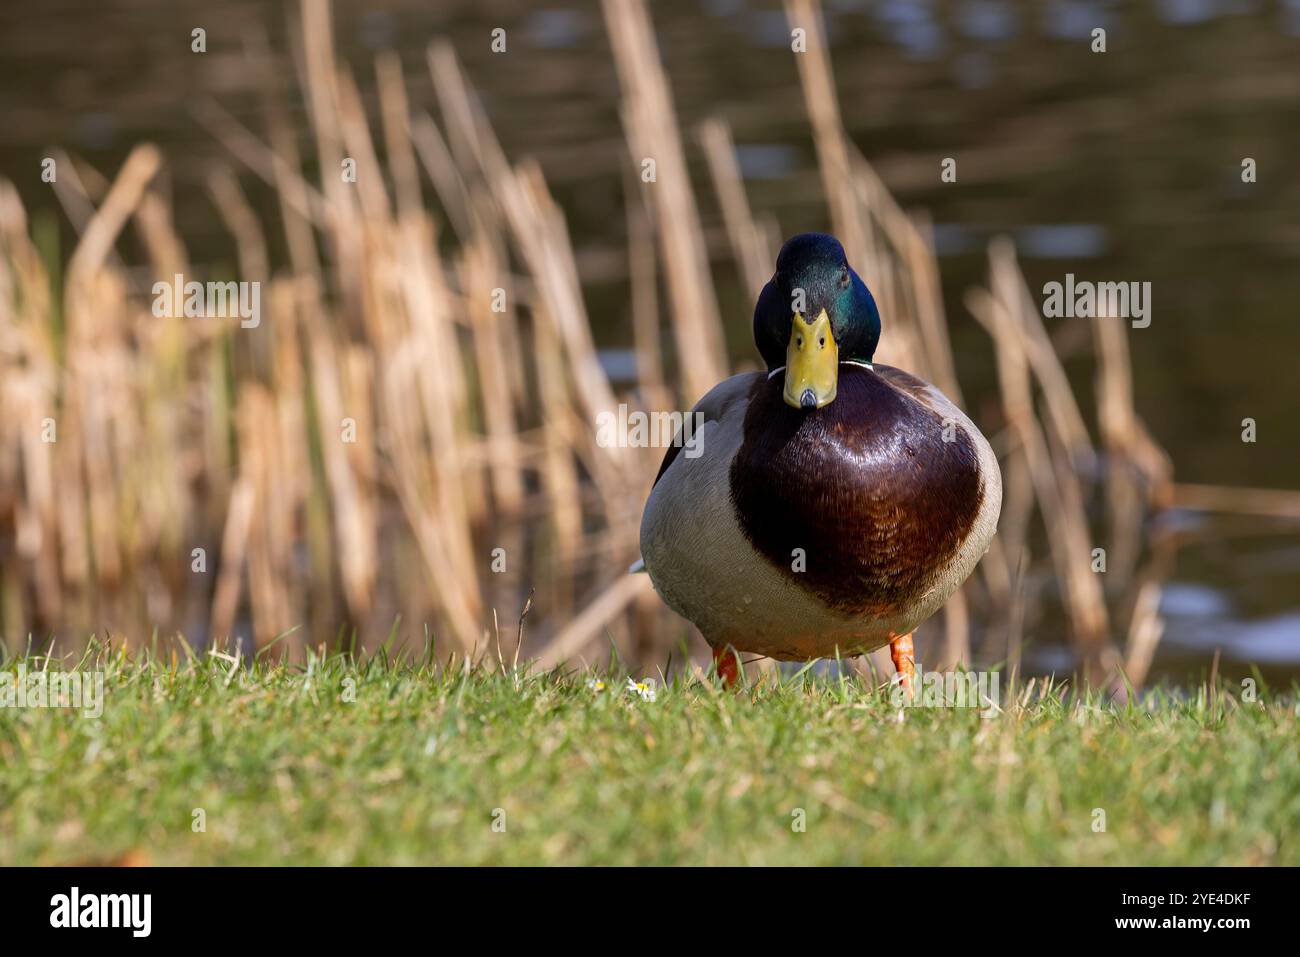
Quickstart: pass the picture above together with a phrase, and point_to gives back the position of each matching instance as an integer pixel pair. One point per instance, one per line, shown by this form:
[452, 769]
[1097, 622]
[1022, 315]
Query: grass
[287, 771]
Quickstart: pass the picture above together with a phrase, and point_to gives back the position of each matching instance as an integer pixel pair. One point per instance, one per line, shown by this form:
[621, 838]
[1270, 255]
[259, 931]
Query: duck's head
[814, 313]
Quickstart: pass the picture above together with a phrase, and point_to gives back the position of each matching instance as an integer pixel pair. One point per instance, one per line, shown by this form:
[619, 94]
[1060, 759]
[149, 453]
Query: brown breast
[866, 486]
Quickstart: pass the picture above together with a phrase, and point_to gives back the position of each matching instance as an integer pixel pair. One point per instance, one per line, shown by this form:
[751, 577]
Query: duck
[832, 503]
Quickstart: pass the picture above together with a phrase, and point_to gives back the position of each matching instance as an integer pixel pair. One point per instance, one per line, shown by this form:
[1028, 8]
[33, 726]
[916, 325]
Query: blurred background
[520, 170]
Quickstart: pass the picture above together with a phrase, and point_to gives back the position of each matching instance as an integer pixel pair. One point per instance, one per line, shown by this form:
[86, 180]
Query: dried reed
[409, 435]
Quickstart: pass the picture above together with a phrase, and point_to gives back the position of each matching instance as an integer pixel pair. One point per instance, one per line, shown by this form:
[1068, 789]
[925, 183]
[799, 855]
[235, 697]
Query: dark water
[1115, 167]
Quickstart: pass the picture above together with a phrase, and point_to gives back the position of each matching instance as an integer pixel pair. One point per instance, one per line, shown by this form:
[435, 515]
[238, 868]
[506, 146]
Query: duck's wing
[711, 408]
[715, 404]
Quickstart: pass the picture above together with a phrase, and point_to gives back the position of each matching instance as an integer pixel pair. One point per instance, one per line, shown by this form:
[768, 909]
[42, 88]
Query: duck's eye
[844, 277]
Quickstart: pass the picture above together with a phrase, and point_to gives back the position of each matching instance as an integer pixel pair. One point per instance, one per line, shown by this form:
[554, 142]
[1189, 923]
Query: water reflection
[765, 160]
[1062, 241]
[1074, 19]
[987, 20]
[912, 26]
[557, 29]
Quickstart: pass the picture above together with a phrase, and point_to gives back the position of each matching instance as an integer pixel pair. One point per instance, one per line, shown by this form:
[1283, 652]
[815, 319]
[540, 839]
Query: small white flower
[595, 684]
[645, 689]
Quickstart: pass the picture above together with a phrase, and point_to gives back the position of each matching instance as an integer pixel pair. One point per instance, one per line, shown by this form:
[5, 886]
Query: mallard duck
[833, 503]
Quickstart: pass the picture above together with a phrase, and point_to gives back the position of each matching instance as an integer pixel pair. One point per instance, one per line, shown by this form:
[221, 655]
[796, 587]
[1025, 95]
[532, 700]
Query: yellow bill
[812, 363]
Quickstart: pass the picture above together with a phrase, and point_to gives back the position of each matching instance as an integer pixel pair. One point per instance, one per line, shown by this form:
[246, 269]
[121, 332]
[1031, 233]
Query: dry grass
[474, 428]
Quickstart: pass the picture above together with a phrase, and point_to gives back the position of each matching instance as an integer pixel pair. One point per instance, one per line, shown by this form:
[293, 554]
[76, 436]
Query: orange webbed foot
[904, 658]
[727, 663]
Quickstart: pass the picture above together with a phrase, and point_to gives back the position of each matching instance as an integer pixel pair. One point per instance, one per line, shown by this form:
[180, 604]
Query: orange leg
[904, 658]
[727, 664]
